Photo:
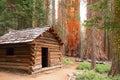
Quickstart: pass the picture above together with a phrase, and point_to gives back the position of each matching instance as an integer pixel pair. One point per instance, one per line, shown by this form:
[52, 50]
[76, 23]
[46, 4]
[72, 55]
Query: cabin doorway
[44, 57]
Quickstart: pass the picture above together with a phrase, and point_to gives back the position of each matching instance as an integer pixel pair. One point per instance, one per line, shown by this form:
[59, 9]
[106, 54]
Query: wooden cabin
[33, 50]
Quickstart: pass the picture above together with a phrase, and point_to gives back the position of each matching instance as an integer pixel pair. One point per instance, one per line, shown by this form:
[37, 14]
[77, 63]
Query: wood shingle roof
[22, 36]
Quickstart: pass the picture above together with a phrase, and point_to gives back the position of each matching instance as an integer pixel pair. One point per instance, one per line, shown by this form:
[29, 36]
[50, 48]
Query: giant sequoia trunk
[69, 18]
[97, 39]
[115, 69]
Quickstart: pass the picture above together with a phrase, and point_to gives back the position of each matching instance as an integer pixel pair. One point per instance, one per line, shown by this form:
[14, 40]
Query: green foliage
[40, 14]
[115, 77]
[18, 14]
[101, 68]
[24, 13]
[92, 75]
[67, 61]
[101, 16]
[84, 66]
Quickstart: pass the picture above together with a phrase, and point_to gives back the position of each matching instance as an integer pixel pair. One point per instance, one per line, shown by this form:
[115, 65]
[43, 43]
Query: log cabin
[33, 50]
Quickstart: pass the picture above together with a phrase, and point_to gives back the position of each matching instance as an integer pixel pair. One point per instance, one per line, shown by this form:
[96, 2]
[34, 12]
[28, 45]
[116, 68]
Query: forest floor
[56, 74]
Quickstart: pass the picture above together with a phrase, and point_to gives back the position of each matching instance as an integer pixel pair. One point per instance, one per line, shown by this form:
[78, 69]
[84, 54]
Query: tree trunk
[48, 8]
[93, 49]
[69, 19]
[34, 22]
[12, 9]
[115, 68]
[53, 13]
[73, 28]
[98, 40]
[63, 25]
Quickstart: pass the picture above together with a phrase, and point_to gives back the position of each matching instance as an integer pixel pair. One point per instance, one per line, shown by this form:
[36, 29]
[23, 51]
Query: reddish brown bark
[97, 38]
[71, 26]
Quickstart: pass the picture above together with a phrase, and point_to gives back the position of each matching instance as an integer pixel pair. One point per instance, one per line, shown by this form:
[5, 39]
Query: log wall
[47, 40]
[22, 58]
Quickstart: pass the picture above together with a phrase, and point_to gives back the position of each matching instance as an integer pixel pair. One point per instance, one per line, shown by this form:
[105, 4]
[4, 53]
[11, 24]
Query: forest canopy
[20, 14]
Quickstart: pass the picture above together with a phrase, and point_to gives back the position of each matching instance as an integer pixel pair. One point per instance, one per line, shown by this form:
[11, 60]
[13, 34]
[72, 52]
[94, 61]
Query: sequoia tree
[94, 33]
[69, 18]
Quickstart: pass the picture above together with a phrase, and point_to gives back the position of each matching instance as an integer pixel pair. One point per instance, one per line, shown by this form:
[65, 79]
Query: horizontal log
[47, 68]
[54, 50]
[14, 64]
[55, 64]
[49, 39]
[55, 53]
[16, 67]
[52, 47]
[2, 50]
[54, 57]
[48, 45]
[22, 51]
[36, 67]
[39, 63]
[16, 56]
[53, 60]
[39, 47]
[38, 55]
[16, 61]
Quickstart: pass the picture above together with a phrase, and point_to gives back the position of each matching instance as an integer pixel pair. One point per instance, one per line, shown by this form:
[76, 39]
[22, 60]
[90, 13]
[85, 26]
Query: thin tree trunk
[53, 13]
[34, 14]
[63, 26]
[48, 7]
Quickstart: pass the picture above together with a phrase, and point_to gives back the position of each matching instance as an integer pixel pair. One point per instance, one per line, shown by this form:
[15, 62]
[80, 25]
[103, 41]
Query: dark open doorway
[44, 57]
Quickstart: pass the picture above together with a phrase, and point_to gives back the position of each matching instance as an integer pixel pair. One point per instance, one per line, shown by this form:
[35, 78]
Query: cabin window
[10, 51]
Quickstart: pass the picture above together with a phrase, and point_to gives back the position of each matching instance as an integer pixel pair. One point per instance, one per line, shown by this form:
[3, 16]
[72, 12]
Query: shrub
[89, 75]
[115, 78]
[67, 61]
[92, 75]
[84, 65]
[101, 68]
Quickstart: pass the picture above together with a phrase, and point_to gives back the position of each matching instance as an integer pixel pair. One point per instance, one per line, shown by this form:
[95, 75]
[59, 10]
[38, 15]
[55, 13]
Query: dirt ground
[56, 74]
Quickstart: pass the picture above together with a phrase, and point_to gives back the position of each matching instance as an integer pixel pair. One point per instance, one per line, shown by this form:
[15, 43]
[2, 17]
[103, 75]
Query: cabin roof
[22, 36]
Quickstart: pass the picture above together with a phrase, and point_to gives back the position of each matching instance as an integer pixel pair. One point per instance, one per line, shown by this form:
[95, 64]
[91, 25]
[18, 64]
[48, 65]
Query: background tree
[115, 69]
[108, 19]
[94, 33]
[69, 18]
[6, 17]
[17, 15]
